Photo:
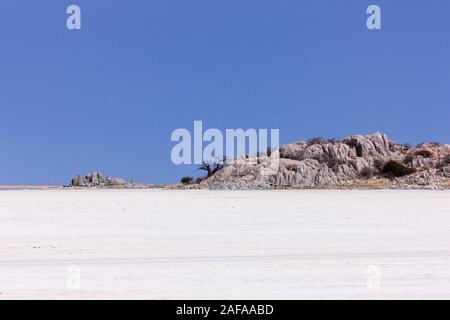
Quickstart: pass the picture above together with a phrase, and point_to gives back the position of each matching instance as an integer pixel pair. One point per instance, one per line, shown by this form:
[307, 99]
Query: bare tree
[211, 167]
[206, 166]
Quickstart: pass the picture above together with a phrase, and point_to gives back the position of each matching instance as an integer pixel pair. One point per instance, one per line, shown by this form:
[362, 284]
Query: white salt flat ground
[156, 244]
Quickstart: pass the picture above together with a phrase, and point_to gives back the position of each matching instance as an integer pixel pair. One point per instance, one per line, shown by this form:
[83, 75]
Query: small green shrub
[187, 180]
[320, 140]
[396, 169]
[424, 153]
[316, 140]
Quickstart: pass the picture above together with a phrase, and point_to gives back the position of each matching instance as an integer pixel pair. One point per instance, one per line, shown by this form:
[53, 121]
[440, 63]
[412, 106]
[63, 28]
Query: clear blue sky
[107, 97]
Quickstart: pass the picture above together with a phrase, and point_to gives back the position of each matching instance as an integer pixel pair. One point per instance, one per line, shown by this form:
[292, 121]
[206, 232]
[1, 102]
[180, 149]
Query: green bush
[424, 153]
[187, 180]
[396, 169]
[320, 140]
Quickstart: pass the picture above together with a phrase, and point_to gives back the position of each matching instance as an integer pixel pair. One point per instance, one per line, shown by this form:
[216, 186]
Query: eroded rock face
[366, 147]
[325, 163]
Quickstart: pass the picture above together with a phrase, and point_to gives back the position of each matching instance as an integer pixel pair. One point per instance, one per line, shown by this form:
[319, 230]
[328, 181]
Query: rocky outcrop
[329, 163]
[98, 180]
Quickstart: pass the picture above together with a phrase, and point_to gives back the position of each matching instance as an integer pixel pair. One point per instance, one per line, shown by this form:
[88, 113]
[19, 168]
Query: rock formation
[355, 160]
[98, 180]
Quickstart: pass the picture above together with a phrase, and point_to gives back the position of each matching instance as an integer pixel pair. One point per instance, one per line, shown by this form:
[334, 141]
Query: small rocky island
[98, 180]
[359, 161]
